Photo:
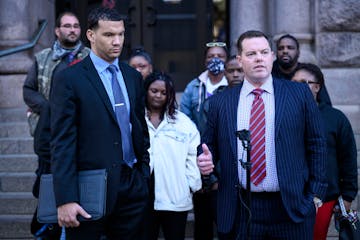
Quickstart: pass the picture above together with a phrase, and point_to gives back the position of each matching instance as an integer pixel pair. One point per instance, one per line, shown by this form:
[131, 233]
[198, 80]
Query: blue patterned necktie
[122, 117]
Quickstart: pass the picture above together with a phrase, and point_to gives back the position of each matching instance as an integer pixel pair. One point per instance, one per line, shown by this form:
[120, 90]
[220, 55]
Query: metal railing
[26, 46]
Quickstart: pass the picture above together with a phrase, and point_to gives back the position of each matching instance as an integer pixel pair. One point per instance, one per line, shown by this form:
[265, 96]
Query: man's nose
[116, 40]
[258, 57]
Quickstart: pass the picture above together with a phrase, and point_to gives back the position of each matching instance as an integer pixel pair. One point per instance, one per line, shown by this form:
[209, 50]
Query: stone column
[296, 18]
[246, 15]
[18, 22]
[14, 28]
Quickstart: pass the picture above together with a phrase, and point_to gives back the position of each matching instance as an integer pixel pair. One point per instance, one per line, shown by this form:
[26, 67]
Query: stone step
[332, 233]
[14, 129]
[18, 163]
[15, 227]
[16, 145]
[17, 203]
[13, 114]
[17, 182]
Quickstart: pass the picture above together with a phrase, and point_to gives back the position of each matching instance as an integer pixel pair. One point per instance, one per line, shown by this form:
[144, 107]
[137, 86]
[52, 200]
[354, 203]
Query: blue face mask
[215, 66]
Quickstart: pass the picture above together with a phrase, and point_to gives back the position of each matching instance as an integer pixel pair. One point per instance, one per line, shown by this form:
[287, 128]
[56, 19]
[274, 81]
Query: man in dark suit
[88, 132]
[291, 183]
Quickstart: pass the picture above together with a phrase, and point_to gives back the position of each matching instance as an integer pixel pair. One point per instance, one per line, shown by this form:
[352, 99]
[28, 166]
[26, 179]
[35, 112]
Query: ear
[57, 32]
[90, 34]
[238, 58]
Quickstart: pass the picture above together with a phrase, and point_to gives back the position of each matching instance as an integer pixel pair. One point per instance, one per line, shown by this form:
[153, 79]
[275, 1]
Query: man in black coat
[86, 134]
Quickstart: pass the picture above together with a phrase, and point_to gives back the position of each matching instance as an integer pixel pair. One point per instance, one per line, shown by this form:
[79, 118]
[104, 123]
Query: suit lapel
[234, 95]
[280, 100]
[92, 75]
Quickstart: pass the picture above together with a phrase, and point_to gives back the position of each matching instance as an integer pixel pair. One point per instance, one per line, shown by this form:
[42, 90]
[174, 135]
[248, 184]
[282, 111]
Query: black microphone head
[243, 135]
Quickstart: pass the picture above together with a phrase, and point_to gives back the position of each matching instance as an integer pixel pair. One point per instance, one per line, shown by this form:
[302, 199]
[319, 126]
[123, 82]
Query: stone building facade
[328, 31]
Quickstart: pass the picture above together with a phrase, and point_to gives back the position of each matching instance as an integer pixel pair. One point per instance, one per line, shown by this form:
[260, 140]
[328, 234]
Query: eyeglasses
[216, 44]
[308, 81]
[68, 26]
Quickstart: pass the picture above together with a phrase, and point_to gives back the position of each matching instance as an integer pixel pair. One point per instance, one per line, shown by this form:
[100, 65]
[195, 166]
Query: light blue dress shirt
[105, 76]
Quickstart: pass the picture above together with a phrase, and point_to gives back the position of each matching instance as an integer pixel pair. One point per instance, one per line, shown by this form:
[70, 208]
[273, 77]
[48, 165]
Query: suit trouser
[124, 221]
[269, 220]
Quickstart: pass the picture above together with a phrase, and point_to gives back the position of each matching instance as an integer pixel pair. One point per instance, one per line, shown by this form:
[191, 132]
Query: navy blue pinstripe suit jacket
[300, 146]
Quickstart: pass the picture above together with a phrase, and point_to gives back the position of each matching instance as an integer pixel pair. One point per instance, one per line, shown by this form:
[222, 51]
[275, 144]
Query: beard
[289, 63]
[70, 43]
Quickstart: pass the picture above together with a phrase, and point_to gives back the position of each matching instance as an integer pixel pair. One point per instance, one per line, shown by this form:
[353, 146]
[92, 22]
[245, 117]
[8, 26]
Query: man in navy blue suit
[291, 184]
[89, 131]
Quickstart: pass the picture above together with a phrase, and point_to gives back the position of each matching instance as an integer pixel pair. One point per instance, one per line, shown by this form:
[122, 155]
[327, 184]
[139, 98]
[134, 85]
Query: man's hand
[347, 205]
[204, 161]
[67, 214]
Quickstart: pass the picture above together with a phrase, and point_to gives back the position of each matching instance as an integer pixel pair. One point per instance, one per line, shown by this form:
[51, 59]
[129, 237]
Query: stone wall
[337, 48]
[338, 33]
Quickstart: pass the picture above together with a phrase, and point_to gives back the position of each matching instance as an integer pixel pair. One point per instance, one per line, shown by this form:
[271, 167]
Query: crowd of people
[89, 110]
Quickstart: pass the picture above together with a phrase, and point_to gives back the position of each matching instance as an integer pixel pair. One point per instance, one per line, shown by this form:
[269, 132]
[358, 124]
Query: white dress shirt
[270, 183]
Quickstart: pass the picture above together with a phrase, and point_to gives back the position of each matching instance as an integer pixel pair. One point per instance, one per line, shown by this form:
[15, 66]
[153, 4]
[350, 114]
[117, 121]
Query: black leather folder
[92, 191]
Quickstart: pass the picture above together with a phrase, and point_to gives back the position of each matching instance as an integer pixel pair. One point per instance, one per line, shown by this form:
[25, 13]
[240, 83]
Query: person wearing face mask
[192, 104]
[203, 86]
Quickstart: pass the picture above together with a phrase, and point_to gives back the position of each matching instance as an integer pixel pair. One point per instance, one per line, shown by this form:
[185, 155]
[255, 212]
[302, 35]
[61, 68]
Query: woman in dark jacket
[341, 152]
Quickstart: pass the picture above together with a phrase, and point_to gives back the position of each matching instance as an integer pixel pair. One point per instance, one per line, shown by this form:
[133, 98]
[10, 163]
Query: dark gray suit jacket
[299, 142]
[85, 133]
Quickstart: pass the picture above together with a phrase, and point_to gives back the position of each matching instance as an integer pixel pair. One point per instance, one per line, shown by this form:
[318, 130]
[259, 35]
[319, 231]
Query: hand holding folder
[92, 191]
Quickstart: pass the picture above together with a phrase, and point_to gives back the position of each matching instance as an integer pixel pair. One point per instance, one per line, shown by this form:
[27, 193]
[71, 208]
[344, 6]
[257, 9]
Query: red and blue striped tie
[257, 138]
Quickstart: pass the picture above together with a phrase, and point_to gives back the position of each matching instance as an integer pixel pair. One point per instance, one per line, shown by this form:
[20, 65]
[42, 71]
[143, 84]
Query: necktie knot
[257, 92]
[112, 68]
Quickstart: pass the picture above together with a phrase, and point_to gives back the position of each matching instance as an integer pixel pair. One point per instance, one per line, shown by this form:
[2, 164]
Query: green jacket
[39, 82]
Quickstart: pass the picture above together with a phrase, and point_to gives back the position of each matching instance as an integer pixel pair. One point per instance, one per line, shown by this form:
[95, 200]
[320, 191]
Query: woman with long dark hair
[173, 148]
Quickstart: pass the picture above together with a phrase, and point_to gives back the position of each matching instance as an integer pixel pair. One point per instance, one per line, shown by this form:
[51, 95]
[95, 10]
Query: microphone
[244, 137]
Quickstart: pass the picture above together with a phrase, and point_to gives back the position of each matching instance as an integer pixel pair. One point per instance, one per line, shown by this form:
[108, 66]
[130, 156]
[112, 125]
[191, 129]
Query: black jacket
[341, 155]
[323, 95]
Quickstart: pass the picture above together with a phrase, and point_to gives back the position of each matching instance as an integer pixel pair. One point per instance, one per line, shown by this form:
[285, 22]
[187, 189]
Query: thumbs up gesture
[204, 161]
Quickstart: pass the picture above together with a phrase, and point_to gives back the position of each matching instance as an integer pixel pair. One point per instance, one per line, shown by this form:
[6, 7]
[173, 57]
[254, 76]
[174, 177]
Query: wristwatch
[317, 201]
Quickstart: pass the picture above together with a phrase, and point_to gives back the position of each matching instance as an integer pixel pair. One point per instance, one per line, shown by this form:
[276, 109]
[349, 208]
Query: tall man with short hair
[98, 122]
[288, 150]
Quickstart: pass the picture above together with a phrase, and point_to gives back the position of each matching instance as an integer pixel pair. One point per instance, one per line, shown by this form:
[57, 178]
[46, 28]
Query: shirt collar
[100, 64]
[267, 86]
